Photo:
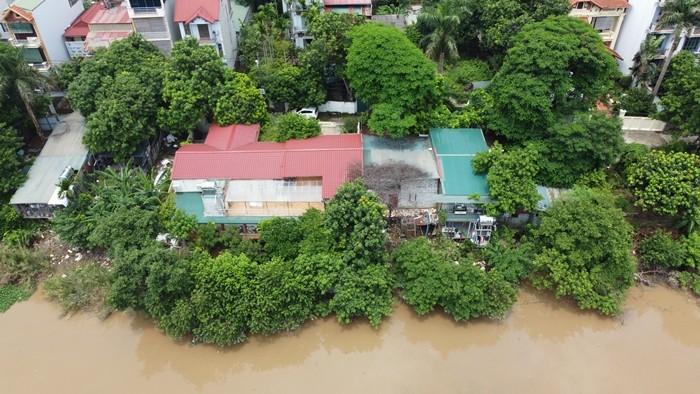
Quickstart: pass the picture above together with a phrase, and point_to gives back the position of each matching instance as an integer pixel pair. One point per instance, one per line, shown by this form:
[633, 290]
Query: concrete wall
[52, 18]
[4, 35]
[342, 107]
[226, 36]
[634, 30]
[639, 123]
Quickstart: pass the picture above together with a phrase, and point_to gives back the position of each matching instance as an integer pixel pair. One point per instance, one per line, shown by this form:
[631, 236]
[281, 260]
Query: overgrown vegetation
[9, 294]
[82, 287]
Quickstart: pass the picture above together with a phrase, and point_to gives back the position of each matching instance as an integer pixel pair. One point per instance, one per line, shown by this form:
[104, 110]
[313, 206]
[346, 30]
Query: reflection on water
[544, 345]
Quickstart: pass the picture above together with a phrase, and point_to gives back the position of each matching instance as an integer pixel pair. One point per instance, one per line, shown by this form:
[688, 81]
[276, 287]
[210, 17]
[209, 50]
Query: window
[203, 31]
[33, 55]
[691, 44]
[188, 32]
[603, 23]
[72, 2]
[580, 5]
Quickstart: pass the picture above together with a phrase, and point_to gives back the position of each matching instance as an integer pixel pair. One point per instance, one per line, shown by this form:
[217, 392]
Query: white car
[309, 112]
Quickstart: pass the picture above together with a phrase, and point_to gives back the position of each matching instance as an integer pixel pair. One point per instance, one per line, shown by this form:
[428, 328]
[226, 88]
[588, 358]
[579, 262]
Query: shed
[454, 151]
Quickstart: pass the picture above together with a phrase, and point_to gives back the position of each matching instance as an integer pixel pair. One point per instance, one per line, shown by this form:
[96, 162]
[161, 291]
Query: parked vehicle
[309, 112]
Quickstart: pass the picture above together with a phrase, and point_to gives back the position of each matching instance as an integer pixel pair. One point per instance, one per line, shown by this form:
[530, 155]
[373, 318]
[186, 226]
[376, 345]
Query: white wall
[52, 19]
[226, 35]
[634, 30]
[169, 8]
[343, 107]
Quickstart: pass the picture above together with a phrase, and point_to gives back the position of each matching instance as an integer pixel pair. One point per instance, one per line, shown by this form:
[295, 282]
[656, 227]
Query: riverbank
[544, 345]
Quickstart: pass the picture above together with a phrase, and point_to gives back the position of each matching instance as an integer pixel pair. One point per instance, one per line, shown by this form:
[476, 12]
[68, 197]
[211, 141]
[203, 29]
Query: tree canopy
[11, 176]
[584, 250]
[554, 68]
[681, 95]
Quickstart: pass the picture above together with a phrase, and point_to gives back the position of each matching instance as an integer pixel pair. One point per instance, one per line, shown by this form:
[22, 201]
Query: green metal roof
[458, 141]
[191, 203]
[29, 5]
[455, 150]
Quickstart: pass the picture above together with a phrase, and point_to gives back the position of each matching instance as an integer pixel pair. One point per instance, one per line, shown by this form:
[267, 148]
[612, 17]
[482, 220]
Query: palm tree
[683, 15]
[644, 69]
[17, 76]
[443, 21]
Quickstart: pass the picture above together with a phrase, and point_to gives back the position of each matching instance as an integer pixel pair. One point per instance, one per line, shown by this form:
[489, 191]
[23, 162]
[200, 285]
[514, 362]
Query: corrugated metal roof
[326, 156]
[412, 150]
[273, 190]
[455, 149]
[188, 10]
[63, 148]
[95, 15]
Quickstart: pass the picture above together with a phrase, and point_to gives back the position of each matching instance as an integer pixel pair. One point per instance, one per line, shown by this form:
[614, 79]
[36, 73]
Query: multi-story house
[4, 31]
[299, 23]
[605, 16]
[153, 19]
[212, 22]
[98, 26]
[642, 21]
[37, 26]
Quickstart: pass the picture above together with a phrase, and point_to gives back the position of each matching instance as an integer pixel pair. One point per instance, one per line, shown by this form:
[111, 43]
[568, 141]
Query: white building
[153, 19]
[37, 26]
[4, 31]
[212, 22]
[299, 23]
[641, 21]
[605, 16]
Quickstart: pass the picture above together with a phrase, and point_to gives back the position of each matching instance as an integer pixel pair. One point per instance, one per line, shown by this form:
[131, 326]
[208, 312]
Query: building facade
[606, 16]
[37, 27]
[97, 27]
[642, 21]
[153, 20]
[211, 22]
[299, 24]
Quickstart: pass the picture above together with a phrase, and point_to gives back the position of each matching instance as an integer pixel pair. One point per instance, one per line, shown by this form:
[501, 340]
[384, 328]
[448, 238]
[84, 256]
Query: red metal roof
[231, 152]
[188, 10]
[605, 4]
[346, 2]
[97, 14]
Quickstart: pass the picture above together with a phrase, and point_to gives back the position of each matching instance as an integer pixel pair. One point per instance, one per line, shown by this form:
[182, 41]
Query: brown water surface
[542, 347]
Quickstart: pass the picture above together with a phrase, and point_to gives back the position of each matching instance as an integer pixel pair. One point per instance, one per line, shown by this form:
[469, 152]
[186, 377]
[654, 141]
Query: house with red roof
[212, 22]
[605, 16]
[232, 178]
[97, 27]
[36, 26]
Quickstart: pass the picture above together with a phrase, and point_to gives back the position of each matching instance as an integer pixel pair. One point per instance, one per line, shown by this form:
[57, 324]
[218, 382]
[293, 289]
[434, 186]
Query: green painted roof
[458, 141]
[191, 203]
[455, 150]
[29, 5]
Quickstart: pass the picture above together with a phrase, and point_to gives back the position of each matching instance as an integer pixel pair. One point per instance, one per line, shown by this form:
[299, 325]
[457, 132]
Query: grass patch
[9, 294]
[81, 288]
[21, 266]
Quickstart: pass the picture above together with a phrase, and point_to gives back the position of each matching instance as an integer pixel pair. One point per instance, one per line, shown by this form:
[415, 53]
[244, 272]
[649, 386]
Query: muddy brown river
[544, 346]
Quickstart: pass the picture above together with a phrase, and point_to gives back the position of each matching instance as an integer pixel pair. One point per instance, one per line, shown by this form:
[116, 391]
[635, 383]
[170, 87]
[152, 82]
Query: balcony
[145, 12]
[41, 67]
[29, 42]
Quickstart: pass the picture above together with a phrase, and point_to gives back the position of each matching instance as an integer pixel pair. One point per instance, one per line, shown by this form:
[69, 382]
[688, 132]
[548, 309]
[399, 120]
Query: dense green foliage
[511, 178]
[9, 294]
[660, 250]
[119, 91]
[441, 23]
[428, 278]
[293, 126]
[240, 102]
[637, 102]
[386, 69]
[681, 95]
[667, 183]
[554, 68]
[583, 248]
[191, 80]
[21, 266]
[11, 176]
[82, 287]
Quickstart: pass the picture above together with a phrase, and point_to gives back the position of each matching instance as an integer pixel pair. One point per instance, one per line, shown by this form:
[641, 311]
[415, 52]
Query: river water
[544, 346]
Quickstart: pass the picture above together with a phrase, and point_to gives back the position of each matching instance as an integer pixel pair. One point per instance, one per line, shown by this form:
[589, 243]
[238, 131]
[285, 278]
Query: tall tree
[443, 21]
[683, 15]
[681, 99]
[10, 163]
[192, 76]
[584, 250]
[20, 80]
[644, 69]
[564, 67]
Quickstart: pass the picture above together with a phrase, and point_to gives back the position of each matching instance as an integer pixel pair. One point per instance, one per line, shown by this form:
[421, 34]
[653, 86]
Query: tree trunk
[664, 68]
[32, 116]
[441, 62]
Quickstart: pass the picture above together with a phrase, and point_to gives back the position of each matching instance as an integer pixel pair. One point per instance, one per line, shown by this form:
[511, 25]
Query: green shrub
[660, 250]
[691, 243]
[595, 180]
[696, 284]
[637, 102]
[10, 294]
[685, 279]
[350, 125]
[82, 287]
[631, 155]
[207, 236]
[294, 126]
[21, 266]
[9, 219]
[21, 237]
